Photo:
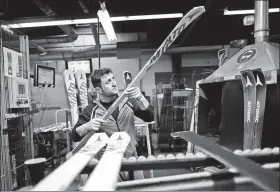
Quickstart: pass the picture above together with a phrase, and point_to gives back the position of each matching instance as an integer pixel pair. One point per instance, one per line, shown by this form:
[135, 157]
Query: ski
[127, 77]
[249, 95]
[81, 81]
[265, 179]
[61, 178]
[184, 22]
[194, 118]
[70, 88]
[260, 106]
[105, 175]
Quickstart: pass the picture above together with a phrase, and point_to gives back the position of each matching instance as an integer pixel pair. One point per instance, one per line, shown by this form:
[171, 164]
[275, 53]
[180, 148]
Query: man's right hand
[92, 125]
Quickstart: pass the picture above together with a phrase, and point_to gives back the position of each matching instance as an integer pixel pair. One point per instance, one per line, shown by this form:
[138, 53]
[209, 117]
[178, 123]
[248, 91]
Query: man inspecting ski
[121, 120]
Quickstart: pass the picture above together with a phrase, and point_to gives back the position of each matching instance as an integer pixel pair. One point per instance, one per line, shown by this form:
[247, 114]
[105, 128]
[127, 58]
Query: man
[122, 119]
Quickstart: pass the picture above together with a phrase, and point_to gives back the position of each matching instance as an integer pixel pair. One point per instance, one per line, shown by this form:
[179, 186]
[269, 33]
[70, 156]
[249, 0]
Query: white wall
[164, 64]
[200, 59]
[53, 97]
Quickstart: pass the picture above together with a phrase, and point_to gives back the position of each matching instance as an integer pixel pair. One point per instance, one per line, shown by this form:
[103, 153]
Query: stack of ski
[185, 21]
[254, 91]
[265, 179]
[76, 99]
[61, 178]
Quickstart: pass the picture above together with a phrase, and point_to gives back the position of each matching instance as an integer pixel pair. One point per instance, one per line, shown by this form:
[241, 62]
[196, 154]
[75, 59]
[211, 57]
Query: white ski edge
[64, 175]
[105, 175]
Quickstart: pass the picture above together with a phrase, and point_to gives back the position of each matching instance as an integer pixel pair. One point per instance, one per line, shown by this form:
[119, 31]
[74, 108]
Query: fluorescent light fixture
[244, 12]
[104, 18]
[147, 17]
[93, 20]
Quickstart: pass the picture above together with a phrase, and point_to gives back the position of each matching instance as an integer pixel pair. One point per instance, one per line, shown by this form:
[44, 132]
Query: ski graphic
[81, 81]
[127, 77]
[260, 106]
[70, 88]
[249, 92]
[101, 179]
[265, 179]
[179, 28]
[61, 178]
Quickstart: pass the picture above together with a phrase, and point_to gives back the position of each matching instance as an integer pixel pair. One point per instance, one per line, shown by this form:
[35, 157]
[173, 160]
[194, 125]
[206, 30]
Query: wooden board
[61, 178]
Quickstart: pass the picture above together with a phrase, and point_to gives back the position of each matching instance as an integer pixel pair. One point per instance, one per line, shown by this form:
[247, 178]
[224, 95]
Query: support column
[24, 47]
[176, 65]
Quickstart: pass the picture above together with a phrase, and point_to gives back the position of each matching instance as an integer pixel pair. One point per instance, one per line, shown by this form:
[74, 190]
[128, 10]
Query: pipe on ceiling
[92, 26]
[261, 31]
[112, 53]
[40, 49]
[72, 35]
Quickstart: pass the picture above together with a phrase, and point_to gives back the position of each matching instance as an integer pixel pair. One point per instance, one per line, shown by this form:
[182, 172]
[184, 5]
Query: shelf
[181, 93]
[36, 110]
[182, 107]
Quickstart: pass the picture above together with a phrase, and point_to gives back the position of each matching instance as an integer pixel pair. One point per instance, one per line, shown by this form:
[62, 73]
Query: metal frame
[170, 161]
[6, 176]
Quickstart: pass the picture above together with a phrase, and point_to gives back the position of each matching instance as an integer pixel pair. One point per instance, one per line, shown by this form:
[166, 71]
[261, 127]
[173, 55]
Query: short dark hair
[97, 74]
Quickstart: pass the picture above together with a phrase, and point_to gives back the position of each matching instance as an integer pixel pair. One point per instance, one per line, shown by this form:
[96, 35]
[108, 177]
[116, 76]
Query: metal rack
[16, 130]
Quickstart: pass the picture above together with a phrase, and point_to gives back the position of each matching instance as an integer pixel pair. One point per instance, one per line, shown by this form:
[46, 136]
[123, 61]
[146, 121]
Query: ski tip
[122, 136]
[180, 134]
[69, 155]
[177, 134]
[101, 137]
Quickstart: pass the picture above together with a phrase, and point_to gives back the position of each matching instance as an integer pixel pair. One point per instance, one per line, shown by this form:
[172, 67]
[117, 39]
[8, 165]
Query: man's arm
[79, 130]
[146, 114]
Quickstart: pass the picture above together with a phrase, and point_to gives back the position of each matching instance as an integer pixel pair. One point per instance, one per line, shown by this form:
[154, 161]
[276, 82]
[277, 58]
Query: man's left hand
[134, 92]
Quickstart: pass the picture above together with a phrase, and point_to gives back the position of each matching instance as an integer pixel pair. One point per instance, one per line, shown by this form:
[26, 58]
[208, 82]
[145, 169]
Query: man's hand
[134, 92]
[92, 125]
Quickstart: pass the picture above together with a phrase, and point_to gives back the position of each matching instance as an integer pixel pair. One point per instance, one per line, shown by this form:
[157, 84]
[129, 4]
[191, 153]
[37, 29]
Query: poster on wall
[84, 65]
[12, 63]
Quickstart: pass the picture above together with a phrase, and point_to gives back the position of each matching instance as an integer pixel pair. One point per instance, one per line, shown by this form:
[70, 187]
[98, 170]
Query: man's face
[109, 85]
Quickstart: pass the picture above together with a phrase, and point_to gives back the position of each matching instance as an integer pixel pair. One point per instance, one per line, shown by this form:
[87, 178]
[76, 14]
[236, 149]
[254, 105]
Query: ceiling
[213, 28]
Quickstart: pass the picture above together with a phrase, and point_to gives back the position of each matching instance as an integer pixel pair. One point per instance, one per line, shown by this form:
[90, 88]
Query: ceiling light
[107, 24]
[92, 20]
[244, 12]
